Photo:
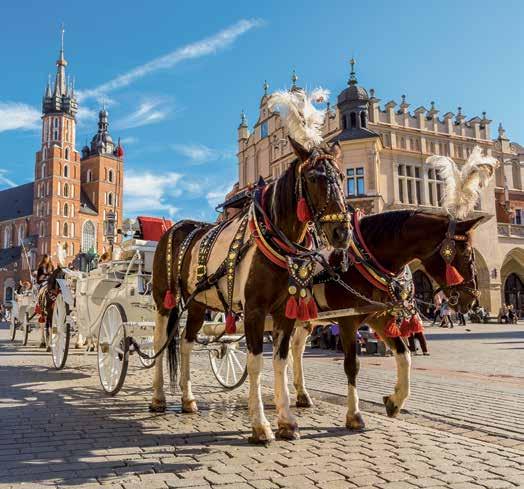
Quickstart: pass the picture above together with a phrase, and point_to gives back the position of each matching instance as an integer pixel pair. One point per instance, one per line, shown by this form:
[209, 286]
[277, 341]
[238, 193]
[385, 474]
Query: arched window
[66, 190]
[43, 170]
[66, 210]
[7, 237]
[66, 154]
[110, 175]
[363, 119]
[65, 230]
[55, 121]
[514, 292]
[353, 118]
[89, 176]
[88, 237]
[21, 234]
[41, 230]
[110, 198]
[44, 153]
[8, 294]
[66, 171]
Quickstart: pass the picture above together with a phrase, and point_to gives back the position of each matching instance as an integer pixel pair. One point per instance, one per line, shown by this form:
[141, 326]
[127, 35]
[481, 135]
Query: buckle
[201, 271]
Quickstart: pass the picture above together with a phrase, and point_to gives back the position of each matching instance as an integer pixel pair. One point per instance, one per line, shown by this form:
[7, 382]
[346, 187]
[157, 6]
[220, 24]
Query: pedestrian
[422, 342]
[504, 314]
[512, 316]
[445, 314]
[44, 270]
[461, 319]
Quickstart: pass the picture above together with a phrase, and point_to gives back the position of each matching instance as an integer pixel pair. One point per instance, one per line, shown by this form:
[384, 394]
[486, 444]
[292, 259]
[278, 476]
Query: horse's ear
[299, 150]
[336, 150]
[464, 227]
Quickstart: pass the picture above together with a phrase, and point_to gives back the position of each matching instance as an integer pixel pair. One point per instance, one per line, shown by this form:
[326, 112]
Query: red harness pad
[152, 228]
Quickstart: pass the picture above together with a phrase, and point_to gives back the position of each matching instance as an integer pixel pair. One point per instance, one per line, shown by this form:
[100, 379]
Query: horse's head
[319, 191]
[452, 264]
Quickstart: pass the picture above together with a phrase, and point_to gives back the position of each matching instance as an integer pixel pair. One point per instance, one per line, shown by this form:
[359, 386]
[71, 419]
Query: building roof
[9, 256]
[86, 206]
[16, 202]
[349, 134]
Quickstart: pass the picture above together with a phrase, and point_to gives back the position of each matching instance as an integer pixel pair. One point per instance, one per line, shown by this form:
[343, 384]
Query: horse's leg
[158, 402]
[396, 401]
[298, 345]
[348, 334]
[254, 328]
[42, 334]
[195, 319]
[287, 423]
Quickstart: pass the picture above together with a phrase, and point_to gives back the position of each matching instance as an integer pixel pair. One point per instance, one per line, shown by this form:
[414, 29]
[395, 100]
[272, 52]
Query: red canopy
[152, 228]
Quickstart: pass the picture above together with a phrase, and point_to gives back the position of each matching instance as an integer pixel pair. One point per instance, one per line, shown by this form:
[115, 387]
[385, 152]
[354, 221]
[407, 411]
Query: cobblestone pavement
[58, 430]
[474, 378]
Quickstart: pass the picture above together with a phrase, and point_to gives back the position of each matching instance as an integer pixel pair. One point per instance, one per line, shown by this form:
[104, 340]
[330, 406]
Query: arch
[514, 292]
[353, 119]
[363, 119]
[66, 154]
[65, 230]
[66, 190]
[344, 122]
[110, 175]
[7, 236]
[66, 210]
[88, 237]
[43, 170]
[110, 199]
[21, 233]
[66, 171]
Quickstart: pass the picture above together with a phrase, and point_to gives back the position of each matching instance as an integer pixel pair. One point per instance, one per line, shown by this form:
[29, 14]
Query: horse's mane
[282, 198]
[389, 223]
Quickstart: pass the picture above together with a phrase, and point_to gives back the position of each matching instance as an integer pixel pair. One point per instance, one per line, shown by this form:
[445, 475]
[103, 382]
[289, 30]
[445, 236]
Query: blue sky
[176, 75]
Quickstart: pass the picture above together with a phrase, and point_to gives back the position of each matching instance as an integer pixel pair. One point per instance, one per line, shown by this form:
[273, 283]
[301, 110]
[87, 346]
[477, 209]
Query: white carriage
[23, 314]
[112, 307]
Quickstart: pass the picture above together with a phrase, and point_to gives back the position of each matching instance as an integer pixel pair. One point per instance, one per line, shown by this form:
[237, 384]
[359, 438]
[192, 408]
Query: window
[47, 189]
[43, 170]
[21, 234]
[7, 237]
[89, 176]
[435, 187]
[41, 230]
[355, 181]
[353, 118]
[66, 170]
[8, 294]
[110, 198]
[518, 218]
[110, 172]
[363, 121]
[409, 184]
[66, 154]
[65, 230]
[66, 210]
[264, 131]
[57, 228]
[88, 237]
[66, 190]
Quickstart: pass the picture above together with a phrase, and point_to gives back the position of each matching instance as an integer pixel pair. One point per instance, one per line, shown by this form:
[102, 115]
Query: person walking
[422, 342]
[445, 314]
[461, 319]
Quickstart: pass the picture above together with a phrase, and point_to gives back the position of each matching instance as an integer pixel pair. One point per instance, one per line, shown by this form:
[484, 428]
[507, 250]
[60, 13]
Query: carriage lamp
[110, 227]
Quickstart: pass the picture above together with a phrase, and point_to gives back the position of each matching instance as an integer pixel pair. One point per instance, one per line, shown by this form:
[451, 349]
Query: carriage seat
[152, 228]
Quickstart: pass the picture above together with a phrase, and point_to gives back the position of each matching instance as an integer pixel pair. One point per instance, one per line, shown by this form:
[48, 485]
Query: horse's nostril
[341, 233]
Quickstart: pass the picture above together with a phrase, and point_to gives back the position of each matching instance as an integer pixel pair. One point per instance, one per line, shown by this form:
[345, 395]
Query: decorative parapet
[510, 230]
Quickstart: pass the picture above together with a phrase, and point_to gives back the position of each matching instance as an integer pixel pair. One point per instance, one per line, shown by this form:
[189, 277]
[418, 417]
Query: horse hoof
[287, 431]
[157, 406]
[355, 422]
[261, 435]
[304, 401]
[392, 409]
[42, 345]
[189, 407]
[48, 349]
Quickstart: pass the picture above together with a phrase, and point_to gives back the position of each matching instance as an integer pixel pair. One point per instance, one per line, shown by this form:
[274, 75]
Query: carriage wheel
[113, 353]
[25, 329]
[229, 363]
[60, 333]
[13, 325]
[148, 348]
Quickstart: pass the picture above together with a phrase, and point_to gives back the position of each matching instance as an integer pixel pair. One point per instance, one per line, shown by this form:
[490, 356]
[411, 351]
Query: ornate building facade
[71, 194]
[385, 148]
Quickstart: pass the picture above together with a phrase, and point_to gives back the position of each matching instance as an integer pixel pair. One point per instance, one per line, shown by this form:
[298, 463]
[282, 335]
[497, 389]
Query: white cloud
[199, 153]
[129, 140]
[204, 47]
[150, 193]
[149, 112]
[85, 115]
[6, 181]
[217, 196]
[15, 115]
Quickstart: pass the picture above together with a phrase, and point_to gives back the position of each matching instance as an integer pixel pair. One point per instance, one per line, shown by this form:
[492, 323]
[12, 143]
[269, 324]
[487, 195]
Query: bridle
[318, 216]
[447, 249]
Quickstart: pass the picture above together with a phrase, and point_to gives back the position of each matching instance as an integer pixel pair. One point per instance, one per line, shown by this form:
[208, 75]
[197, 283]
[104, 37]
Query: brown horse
[394, 239]
[260, 286]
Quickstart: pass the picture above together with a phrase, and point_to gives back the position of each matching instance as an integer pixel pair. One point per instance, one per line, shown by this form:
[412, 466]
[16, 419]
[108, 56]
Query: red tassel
[303, 212]
[392, 330]
[303, 313]
[41, 319]
[38, 309]
[453, 277]
[416, 324]
[291, 308]
[169, 300]
[312, 309]
[405, 328]
[231, 323]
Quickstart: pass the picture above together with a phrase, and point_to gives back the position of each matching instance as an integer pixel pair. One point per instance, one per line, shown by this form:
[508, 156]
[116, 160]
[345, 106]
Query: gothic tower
[57, 167]
[102, 177]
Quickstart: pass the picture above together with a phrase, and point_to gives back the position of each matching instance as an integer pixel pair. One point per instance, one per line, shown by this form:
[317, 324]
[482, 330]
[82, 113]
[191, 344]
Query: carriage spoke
[232, 368]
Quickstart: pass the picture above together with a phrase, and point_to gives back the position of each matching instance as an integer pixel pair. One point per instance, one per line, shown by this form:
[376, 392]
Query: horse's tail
[173, 325]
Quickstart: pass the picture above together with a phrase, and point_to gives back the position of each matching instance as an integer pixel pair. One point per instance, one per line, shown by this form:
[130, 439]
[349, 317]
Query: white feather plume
[301, 118]
[462, 185]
